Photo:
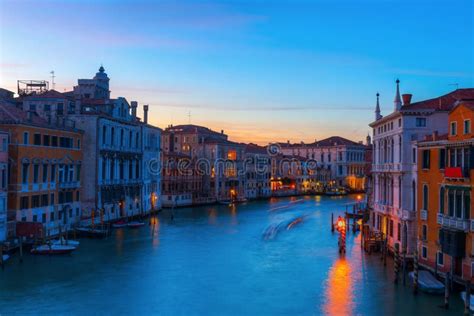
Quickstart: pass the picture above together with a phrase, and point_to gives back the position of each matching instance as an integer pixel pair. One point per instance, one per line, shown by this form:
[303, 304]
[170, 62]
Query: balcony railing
[453, 222]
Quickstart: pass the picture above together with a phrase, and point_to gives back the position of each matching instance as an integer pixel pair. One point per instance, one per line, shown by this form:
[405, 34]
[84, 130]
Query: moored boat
[427, 282]
[119, 224]
[5, 257]
[471, 303]
[225, 202]
[63, 241]
[92, 232]
[52, 249]
[135, 224]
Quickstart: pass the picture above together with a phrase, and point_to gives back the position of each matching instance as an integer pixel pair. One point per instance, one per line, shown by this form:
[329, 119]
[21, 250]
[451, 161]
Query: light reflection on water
[339, 292]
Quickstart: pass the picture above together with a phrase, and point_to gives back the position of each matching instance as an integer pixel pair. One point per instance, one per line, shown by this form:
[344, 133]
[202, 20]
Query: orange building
[45, 169]
[445, 179]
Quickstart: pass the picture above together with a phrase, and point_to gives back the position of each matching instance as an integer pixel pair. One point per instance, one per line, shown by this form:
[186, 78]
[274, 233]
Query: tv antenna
[52, 79]
[189, 117]
[454, 84]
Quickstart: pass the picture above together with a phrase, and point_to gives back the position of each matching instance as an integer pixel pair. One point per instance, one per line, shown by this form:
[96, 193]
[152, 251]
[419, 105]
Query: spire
[378, 116]
[398, 100]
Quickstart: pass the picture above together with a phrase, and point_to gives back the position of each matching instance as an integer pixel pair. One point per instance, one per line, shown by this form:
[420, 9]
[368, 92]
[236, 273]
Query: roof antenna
[454, 84]
[52, 79]
[189, 117]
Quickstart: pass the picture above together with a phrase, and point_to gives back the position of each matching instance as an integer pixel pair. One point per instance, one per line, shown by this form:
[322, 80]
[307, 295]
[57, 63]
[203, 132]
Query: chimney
[145, 114]
[222, 131]
[134, 105]
[406, 98]
[435, 135]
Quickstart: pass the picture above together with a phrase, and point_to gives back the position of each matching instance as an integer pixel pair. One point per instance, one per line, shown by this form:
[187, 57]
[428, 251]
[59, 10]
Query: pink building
[3, 184]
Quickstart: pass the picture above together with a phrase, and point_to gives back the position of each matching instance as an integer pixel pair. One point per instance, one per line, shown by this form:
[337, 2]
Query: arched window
[441, 200]
[425, 197]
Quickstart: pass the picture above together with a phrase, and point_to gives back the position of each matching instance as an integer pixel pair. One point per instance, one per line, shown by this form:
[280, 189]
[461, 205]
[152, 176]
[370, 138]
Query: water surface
[218, 260]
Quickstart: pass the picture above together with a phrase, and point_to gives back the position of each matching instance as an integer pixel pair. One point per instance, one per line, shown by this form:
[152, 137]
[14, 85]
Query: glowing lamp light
[341, 223]
[359, 197]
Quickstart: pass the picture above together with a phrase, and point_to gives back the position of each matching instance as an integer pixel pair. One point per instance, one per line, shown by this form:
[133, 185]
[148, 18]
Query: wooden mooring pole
[1, 256]
[332, 222]
[396, 261]
[446, 290]
[415, 272]
[467, 300]
[21, 249]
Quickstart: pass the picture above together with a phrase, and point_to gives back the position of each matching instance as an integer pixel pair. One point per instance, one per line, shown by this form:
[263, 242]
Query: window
[4, 144]
[467, 126]
[413, 155]
[4, 179]
[424, 252]
[453, 129]
[47, 107]
[35, 201]
[441, 200]
[60, 110]
[425, 197]
[424, 232]
[78, 144]
[467, 205]
[26, 137]
[53, 173]
[37, 139]
[442, 158]
[43, 218]
[391, 228]
[451, 203]
[78, 173]
[440, 258]
[399, 232]
[104, 135]
[112, 136]
[426, 159]
[44, 200]
[399, 122]
[24, 202]
[420, 122]
[24, 173]
[45, 173]
[46, 139]
[54, 141]
[51, 217]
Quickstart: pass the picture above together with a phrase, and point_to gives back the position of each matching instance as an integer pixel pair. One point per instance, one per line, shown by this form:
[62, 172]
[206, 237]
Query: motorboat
[92, 232]
[135, 224]
[427, 282]
[471, 303]
[119, 224]
[63, 241]
[52, 249]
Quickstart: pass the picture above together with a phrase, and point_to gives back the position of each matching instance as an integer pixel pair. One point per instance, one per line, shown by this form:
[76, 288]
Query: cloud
[264, 108]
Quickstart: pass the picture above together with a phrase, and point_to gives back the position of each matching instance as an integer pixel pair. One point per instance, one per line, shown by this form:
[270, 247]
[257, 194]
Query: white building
[394, 162]
[151, 163]
[343, 157]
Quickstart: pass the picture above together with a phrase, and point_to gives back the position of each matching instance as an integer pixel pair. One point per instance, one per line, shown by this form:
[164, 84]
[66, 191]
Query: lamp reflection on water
[339, 293]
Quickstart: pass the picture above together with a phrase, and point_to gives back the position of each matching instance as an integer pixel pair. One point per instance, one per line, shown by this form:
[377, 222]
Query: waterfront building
[217, 158]
[394, 165]
[3, 185]
[45, 163]
[257, 166]
[444, 196]
[181, 183]
[344, 158]
[121, 150]
[151, 163]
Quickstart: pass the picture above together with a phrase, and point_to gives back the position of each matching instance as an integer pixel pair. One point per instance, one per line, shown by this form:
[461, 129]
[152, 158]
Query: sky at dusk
[262, 70]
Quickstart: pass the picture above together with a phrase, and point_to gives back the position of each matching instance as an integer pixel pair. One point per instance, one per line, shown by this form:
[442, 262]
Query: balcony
[69, 185]
[423, 215]
[454, 222]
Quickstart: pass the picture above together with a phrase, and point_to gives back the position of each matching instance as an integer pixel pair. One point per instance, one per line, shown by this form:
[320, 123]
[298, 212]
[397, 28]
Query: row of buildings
[74, 156]
[422, 181]
[70, 158]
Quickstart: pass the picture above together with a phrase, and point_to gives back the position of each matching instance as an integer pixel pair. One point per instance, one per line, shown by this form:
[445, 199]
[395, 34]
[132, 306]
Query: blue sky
[262, 70]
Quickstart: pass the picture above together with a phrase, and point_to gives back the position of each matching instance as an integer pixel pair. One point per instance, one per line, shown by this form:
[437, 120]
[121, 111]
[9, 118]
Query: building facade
[394, 167]
[3, 185]
[344, 159]
[45, 170]
[445, 186]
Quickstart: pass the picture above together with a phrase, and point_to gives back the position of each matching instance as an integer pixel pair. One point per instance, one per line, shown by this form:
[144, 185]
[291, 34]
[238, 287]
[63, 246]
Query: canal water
[218, 260]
